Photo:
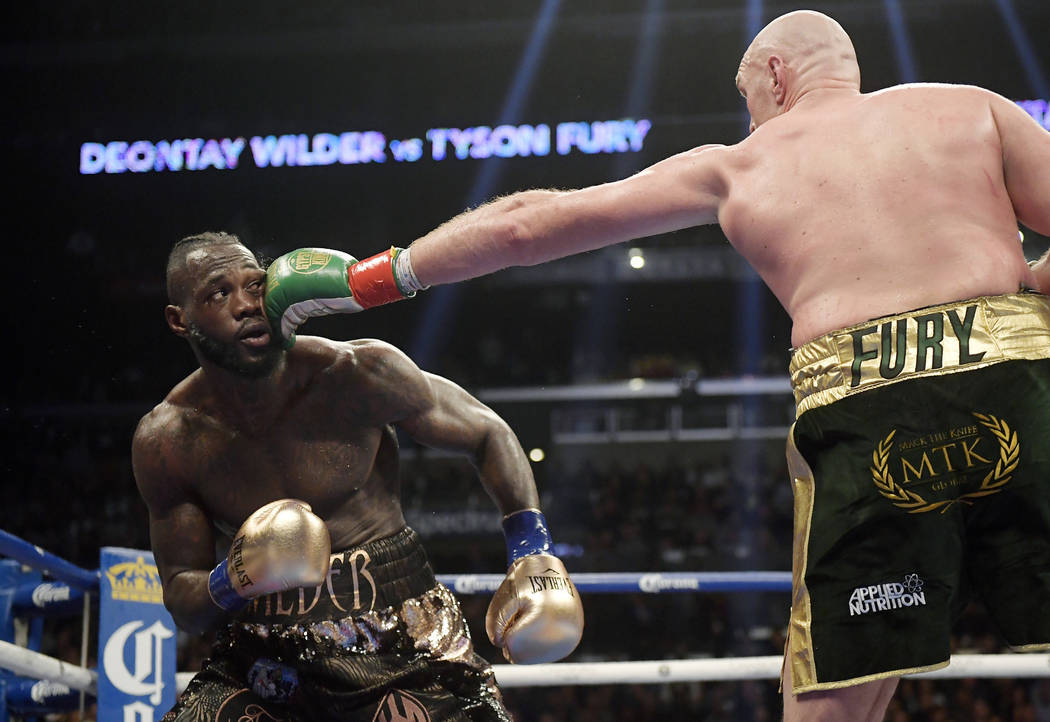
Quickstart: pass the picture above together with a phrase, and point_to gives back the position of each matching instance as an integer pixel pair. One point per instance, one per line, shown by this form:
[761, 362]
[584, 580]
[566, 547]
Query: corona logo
[43, 691]
[48, 593]
[474, 583]
[655, 583]
[136, 582]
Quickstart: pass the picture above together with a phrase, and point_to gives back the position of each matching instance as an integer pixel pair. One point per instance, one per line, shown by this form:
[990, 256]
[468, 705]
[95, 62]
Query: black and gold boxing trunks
[380, 640]
[920, 459]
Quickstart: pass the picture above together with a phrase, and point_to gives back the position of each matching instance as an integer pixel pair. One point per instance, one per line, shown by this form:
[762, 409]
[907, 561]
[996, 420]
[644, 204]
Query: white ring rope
[33, 664]
[738, 668]
[28, 663]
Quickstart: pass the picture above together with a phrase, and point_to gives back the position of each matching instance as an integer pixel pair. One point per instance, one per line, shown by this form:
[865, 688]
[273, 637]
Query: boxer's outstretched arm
[535, 226]
[180, 532]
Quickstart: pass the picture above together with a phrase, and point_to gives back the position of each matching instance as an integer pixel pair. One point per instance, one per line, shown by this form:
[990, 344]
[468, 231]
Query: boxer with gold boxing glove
[535, 616]
[280, 546]
[325, 609]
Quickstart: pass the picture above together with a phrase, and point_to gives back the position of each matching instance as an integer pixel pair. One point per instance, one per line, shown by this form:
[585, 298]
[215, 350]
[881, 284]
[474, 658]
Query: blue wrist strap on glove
[526, 533]
[221, 590]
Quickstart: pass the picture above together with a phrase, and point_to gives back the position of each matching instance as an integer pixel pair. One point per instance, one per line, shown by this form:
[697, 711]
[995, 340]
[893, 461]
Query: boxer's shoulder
[166, 419]
[167, 430]
[365, 361]
[158, 451]
[940, 90]
[367, 377]
[379, 365]
[184, 419]
[378, 381]
[959, 103]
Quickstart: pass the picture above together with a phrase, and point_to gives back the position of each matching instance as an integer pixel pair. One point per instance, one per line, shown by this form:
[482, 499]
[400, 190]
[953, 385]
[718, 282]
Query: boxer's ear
[778, 76]
[176, 321]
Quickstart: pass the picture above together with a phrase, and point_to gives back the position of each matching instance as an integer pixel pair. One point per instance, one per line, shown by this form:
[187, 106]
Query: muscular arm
[180, 532]
[437, 413]
[1026, 169]
[456, 421]
[535, 226]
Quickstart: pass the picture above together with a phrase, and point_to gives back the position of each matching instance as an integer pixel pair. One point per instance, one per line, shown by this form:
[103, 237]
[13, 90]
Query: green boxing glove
[311, 282]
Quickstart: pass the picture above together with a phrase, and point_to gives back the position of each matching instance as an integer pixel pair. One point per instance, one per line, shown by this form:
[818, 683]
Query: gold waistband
[929, 341]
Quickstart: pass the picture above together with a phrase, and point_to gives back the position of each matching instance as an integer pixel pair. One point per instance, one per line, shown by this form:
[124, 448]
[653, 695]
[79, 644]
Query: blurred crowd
[729, 511]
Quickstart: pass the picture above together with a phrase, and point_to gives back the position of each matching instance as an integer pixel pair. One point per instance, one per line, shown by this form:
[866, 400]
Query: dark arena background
[647, 380]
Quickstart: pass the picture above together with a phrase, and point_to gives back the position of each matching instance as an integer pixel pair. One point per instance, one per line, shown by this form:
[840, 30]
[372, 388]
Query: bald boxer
[286, 459]
[886, 223]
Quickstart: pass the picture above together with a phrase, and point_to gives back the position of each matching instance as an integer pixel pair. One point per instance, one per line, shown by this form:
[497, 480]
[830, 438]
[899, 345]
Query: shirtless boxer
[926, 427]
[282, 456]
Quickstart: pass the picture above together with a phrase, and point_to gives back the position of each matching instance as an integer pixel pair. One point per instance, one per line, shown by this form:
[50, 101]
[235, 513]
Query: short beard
[225, 355]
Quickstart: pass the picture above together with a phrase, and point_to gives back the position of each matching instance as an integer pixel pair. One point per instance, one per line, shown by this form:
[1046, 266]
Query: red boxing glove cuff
[372, 281]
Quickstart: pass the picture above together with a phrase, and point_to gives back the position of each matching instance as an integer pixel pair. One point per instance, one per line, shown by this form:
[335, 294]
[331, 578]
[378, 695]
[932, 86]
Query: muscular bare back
[853, 206]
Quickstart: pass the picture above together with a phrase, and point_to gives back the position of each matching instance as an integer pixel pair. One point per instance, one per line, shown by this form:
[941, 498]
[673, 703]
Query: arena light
[598, 325]
[432, 330]
[750, 318]
[1033, 69]
[907, 71]
[750, 327]
[1038, 109]
[537, 455]
[636, 258]
[643, 71]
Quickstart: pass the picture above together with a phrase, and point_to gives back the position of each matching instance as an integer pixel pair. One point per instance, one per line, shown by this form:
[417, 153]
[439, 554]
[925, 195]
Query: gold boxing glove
[535, 616]
[281, 545]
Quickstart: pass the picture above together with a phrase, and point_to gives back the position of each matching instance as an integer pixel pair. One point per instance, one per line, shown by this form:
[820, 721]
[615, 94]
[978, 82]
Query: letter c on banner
[147, 659]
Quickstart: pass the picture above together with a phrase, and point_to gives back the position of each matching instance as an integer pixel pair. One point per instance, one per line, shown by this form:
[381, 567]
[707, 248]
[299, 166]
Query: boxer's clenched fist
[535, 616]
[281, 545]
[311, 282]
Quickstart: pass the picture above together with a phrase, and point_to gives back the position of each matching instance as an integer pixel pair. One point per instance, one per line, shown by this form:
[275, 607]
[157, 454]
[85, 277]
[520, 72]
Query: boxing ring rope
[82, 583]
[33, 556]
[1008, 665]
[28, 663]
[33, 664]
[650, 582]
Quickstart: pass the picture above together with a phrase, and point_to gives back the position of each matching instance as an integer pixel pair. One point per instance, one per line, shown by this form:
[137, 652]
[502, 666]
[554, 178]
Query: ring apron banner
[136, 639]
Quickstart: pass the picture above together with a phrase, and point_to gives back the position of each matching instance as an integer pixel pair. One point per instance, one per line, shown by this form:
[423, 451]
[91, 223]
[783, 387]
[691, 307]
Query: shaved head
[185, 249]
[815, 45]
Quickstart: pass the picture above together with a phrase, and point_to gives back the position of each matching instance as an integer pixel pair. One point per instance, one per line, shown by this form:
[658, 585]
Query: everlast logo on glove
[535, 616]
[237, 562]
[549, 580]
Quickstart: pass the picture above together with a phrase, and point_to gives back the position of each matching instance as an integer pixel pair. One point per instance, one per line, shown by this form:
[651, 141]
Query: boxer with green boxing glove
[309, 282]
[282, 545]
[535, 616]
